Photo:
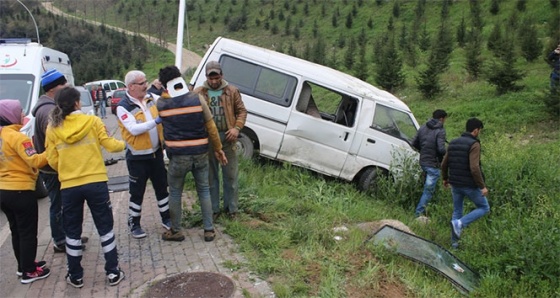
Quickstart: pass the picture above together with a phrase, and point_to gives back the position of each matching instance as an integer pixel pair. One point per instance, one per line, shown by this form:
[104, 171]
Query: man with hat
[51, 81]
[230, 114]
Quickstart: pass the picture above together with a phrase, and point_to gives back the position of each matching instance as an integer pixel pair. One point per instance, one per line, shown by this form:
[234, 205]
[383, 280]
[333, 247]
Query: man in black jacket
[430, 141]
[462, 169]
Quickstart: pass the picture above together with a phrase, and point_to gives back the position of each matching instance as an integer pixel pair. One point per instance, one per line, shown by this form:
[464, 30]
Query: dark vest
[458, 161]
[184, 130]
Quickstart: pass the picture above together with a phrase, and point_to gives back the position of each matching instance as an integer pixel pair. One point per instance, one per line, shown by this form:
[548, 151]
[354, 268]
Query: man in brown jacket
[229, 114]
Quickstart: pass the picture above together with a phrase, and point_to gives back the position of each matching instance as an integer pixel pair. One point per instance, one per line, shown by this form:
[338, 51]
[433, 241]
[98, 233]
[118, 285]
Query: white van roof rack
[15, 40]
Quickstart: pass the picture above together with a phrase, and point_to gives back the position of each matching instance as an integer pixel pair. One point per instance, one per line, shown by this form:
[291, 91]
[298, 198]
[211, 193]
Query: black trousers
[139, 172]
[22, 212]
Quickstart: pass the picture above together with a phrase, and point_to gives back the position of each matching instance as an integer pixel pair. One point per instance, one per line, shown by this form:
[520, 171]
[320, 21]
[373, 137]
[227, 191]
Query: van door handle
[345, 136]
[371, 141]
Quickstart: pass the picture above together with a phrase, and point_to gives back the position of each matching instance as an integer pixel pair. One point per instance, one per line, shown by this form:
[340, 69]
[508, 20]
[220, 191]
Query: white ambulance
[313, 116]
[22, 63]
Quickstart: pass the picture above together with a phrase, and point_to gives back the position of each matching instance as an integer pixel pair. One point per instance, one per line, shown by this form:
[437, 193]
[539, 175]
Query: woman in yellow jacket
[73, 146]
[19, 163]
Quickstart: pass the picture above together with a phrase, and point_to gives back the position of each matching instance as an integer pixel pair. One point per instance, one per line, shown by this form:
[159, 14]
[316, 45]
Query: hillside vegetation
[453, 55]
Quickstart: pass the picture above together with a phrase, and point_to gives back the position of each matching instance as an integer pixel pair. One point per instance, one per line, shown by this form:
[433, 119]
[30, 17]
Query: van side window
[120, 85]
[326, 104]
[393, 122]
[258, 81]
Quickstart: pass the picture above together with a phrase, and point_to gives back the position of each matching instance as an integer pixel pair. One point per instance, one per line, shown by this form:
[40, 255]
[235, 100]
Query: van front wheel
[245, 147]
[368, 180]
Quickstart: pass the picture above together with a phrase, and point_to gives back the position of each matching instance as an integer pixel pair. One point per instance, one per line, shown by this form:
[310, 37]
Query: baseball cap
[52, 78]
[213, 66]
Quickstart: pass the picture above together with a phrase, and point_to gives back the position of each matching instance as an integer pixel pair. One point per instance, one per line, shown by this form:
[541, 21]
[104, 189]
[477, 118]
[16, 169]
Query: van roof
[308, 70]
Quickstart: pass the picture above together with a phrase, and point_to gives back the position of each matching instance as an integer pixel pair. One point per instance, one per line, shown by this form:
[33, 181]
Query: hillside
[286, 228]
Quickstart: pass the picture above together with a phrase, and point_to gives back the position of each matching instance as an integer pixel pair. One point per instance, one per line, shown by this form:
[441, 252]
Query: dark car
[117, 96]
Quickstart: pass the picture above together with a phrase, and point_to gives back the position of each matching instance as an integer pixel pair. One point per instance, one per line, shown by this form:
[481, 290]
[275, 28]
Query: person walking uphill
[462, 169]
[18, 173]
[142, 131]
[51, 81]
[230, 115]
[187, 126]
[430, 141]
[73, 144]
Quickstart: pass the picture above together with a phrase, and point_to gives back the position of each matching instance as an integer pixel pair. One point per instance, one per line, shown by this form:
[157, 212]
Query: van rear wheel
[245, 147]
[368, 180]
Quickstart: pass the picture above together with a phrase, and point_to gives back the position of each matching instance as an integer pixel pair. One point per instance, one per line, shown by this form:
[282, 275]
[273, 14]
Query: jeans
[21, 210]
[139, 171]
[97, 197]
[432, 177]
[475, 195]
[103, 108]
[56, 220]
[179, 166]
[229, 177]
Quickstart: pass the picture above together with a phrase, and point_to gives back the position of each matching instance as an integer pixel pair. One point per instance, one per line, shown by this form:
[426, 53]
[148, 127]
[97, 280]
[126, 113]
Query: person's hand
[158, 120]
[232, 134]
[445, 183]
[221, 157]
[484, 191]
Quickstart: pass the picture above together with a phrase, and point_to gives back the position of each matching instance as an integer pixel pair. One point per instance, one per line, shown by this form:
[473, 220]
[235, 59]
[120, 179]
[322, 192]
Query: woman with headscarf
[74, 142]
[19, 163]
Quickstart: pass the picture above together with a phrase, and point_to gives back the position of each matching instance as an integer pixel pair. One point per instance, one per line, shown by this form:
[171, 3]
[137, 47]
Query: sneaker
[215, 216]
[29, 277]
[84, 240]
[233, 215]
[209, 235]
[59, 247]
[115, 279]
[172, 236]
[137, 232]
[166, 224]
[76, 283]
[40, 264]
[456, 228]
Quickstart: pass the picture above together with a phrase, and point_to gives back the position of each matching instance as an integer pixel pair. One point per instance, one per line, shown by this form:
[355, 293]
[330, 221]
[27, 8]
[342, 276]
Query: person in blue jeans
[430, 141]
[188, 127]
[73, 147]
[461, 168]
[101, 98]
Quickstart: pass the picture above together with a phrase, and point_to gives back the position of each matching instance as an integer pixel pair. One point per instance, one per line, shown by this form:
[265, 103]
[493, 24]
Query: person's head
[52, 81]
[474, 126]
[440, 115]
[175, 85]
[135, 82]
[10, 112]
[156, 83]
[67, 100]
[214, 74]
[167, 74]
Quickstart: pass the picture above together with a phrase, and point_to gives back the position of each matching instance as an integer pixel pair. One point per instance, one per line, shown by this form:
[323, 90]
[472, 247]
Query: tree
[473, 51]
[396, 9]
[521, 5]
[349, 21]
[461, 33]
[428, 82]
[349, 55]
[530, 44]
[495, 7]
[389, 74]
[361, 70]
[318, 51]
[504, 74]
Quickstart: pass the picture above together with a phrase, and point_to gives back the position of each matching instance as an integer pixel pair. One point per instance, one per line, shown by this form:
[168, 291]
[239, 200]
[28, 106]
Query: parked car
[313, 116]
[110, 87]
[86, 100]
[117, 96]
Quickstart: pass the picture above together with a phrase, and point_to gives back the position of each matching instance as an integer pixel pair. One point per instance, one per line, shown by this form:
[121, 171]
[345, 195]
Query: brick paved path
[143, 260]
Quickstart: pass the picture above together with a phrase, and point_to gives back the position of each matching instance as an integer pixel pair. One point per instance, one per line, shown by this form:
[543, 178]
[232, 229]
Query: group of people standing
[198, 130]
[460, 167]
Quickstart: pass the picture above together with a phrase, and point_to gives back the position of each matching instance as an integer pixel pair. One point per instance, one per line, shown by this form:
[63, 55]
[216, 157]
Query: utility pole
[180, 26]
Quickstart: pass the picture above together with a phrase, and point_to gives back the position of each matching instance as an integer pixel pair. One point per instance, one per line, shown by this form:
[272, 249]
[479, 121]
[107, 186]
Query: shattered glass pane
[429, 253]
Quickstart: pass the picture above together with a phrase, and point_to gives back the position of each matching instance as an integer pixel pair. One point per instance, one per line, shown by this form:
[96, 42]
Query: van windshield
[394, 123]
[18, 86]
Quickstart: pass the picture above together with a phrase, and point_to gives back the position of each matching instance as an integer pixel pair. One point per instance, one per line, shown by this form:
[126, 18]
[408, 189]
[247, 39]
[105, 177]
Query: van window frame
[257, 76]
